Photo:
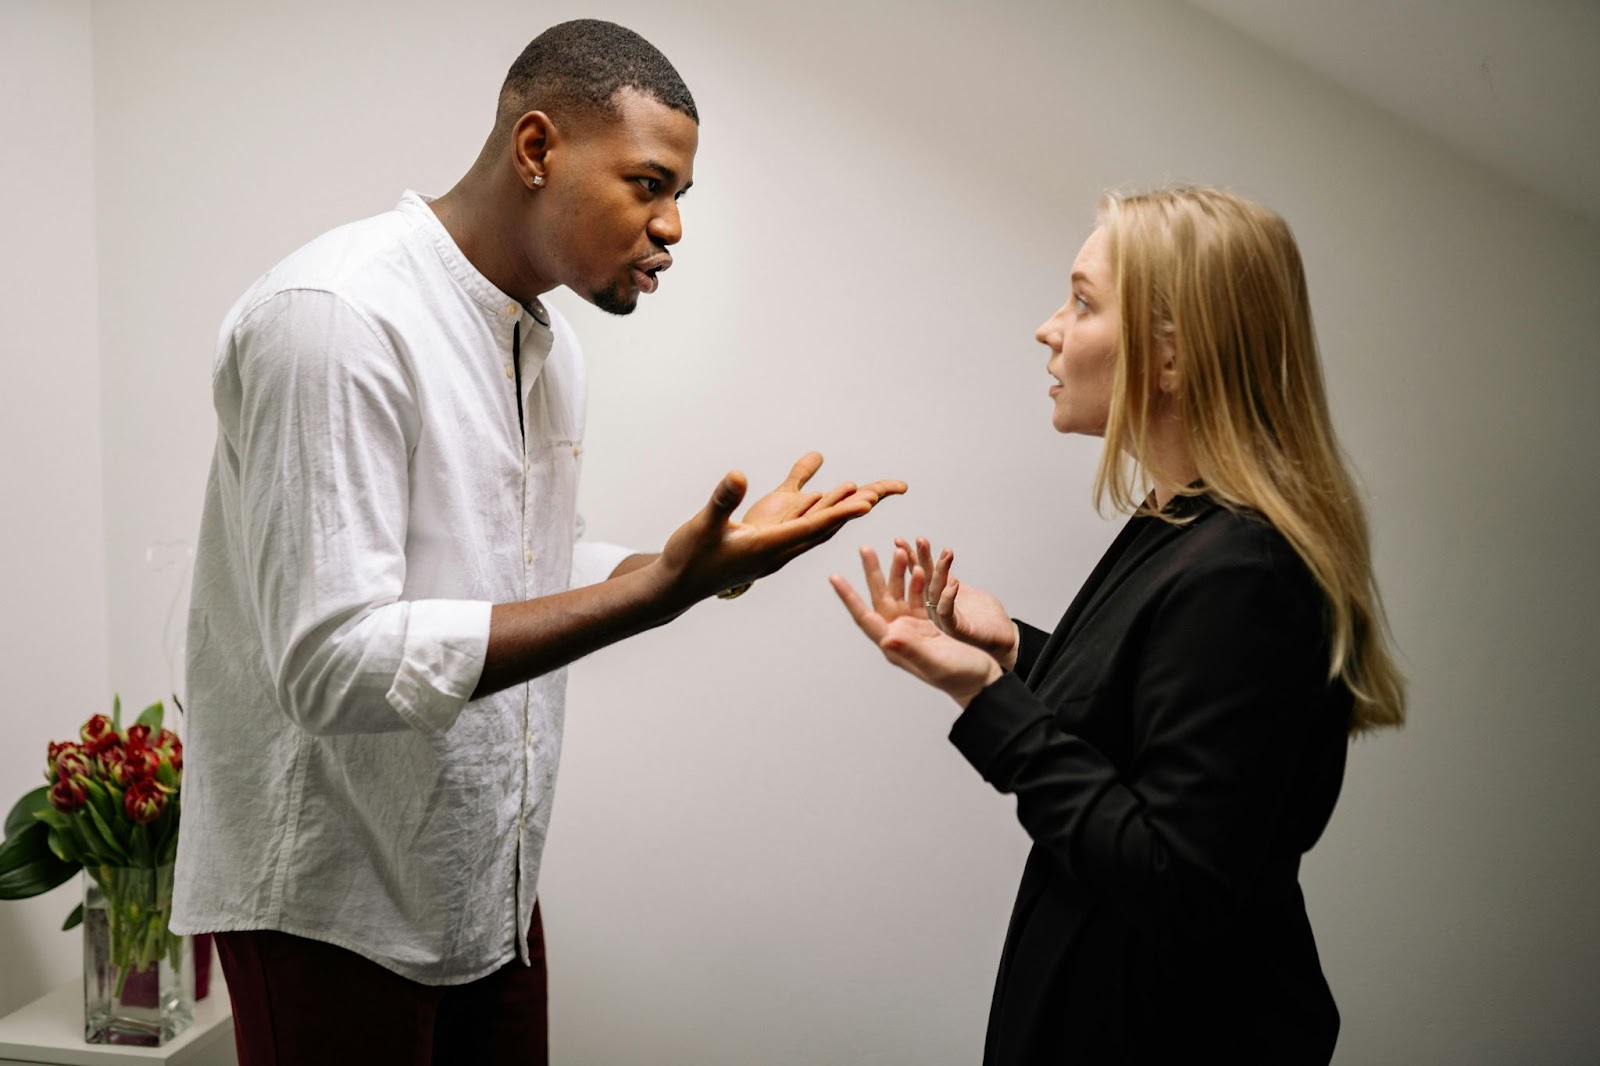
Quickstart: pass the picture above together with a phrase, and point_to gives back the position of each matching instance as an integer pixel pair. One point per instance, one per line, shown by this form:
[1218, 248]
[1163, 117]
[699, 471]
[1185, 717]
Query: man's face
[609, 205]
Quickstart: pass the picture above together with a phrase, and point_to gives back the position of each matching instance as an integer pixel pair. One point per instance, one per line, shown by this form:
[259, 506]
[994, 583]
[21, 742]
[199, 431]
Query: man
[383, 605]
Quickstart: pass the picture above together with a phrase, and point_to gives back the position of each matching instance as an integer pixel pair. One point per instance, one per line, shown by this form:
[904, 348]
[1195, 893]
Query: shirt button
[511, 371]
[576, 451]
[528, 557]
[512, 308]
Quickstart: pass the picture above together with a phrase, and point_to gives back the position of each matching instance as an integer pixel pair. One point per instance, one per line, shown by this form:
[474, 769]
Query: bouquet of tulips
[110, 808]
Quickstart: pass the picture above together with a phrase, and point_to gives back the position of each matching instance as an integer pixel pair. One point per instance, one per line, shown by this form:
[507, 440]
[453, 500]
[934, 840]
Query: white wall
[765, 849]
[52, 536]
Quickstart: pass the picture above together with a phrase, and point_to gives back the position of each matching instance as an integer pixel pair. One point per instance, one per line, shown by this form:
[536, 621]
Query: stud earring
[538, 179]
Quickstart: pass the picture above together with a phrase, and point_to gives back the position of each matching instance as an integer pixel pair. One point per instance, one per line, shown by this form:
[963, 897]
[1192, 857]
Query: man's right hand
[708, 554]
[711, 552]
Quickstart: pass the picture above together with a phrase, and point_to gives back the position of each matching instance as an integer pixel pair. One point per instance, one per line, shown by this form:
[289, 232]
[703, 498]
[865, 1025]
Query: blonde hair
[1217, 280]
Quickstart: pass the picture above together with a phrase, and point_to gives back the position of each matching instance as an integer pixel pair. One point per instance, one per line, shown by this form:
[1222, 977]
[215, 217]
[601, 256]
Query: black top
[1174, 746]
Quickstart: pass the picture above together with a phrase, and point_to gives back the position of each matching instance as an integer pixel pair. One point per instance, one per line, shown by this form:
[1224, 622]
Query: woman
[1178, 742]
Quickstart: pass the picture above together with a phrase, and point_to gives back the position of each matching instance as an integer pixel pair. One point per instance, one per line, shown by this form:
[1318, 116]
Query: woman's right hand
[970, 615]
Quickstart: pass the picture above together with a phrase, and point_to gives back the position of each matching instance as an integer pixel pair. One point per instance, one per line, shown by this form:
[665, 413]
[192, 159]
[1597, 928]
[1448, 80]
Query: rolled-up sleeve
[593, 561]
[327, 422]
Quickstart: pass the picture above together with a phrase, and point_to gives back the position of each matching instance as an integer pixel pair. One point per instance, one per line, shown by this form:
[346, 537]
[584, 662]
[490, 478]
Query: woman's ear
[1166, 353]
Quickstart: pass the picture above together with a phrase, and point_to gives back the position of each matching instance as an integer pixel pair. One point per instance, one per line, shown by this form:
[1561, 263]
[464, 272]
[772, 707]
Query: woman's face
[1082, 338]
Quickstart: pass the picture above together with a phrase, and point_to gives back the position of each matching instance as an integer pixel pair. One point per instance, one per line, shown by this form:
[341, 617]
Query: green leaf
[116, 713]
[28, 867]
[94, 850]
[22, 813]
[34, 879]
[25, 847]
[142, 855]
[113, 845]
[164, 831]
[53, 818]
[151, 716]
[65, 845]
[74, 919]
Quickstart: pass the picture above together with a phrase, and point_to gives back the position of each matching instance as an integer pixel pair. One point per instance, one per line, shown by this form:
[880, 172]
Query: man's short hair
[572, 72]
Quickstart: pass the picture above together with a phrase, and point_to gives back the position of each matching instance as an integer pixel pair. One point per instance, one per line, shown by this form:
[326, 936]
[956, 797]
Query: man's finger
[817, 524]
[729, 491]
[886, 487]
[842, 491]
[807, 465]
[802, 505]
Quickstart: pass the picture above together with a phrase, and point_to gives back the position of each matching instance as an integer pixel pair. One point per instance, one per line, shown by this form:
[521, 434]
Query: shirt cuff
[446, 642]
[593, 561]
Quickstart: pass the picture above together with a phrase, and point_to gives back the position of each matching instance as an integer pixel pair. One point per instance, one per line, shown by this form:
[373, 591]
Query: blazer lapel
[1142, 537]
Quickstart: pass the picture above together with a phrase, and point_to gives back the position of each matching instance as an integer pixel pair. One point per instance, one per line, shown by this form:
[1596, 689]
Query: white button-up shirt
[371, 496]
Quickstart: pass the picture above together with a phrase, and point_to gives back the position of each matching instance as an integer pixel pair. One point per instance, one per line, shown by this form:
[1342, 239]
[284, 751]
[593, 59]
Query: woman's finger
[897, 575]
[917, 595]
[945, 608]
[870, 622]
[875, 587]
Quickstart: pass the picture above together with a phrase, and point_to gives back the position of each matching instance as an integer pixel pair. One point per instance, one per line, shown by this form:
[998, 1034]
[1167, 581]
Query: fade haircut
[572, 72]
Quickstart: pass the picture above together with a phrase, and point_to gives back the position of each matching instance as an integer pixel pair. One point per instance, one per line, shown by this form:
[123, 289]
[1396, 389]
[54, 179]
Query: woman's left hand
[910, 641]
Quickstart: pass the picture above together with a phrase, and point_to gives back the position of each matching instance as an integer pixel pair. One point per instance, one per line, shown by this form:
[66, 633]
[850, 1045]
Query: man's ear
[532, 139]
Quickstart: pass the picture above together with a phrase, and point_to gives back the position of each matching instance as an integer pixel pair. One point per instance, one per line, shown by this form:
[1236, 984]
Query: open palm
[897, 622]
[969, 614]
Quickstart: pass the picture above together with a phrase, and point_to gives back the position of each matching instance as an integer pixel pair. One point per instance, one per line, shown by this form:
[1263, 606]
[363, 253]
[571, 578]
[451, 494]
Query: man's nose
[666, 226]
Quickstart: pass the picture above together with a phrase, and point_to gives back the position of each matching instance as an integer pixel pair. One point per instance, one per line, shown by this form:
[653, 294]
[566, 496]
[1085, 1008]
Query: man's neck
[475, 214]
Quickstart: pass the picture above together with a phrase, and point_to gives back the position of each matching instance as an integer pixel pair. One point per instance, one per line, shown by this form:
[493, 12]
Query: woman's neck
[1171, 464]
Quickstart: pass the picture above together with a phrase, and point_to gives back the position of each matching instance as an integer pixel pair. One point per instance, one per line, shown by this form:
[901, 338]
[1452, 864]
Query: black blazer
[1174, 747]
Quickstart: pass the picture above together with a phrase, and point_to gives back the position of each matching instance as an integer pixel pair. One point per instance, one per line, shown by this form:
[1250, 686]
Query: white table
[49, 1032]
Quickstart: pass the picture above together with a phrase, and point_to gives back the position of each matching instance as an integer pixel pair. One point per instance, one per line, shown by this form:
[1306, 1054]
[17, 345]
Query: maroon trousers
[299, 1002]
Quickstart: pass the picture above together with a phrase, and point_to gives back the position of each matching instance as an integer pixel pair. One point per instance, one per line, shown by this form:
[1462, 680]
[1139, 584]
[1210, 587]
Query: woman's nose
[1049, 333]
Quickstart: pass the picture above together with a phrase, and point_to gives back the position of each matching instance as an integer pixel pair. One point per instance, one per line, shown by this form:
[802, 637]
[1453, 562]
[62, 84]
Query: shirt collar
[485, 293]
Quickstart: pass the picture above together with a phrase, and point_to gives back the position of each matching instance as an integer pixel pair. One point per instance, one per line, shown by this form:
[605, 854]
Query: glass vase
[138, 977]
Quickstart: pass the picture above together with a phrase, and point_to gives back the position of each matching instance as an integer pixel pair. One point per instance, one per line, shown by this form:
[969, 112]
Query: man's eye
[649, 185]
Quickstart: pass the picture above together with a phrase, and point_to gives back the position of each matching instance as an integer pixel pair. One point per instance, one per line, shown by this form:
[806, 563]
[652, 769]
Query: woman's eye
[1080, 305]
